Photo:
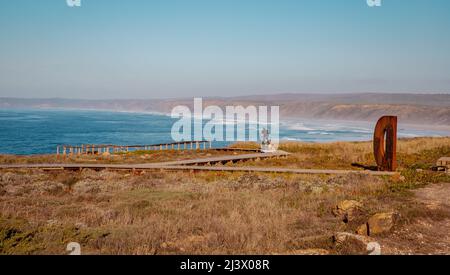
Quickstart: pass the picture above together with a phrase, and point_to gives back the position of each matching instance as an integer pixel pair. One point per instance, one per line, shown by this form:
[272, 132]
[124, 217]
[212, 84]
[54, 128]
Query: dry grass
[206, 212]
[120, 158]
[416, 152]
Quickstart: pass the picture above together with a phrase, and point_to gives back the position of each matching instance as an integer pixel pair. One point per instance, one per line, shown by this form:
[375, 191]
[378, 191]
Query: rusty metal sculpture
[385, 143]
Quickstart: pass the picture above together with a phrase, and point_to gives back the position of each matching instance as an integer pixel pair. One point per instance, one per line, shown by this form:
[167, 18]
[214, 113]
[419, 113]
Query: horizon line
[237, 96]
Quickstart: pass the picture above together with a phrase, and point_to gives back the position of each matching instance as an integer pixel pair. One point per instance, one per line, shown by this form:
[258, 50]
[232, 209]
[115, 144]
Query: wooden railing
[98, 149]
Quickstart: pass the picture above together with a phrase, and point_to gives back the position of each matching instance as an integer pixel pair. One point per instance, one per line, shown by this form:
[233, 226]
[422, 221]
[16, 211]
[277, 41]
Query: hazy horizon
[228, 97]
[111, 49]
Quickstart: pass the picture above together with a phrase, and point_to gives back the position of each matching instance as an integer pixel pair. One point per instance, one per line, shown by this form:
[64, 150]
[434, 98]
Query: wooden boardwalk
[225, 159]
[191, 168]
[194, 165]
[200, 161]
[276, 170]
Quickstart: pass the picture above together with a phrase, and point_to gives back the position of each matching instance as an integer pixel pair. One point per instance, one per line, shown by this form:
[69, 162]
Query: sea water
[37, 131]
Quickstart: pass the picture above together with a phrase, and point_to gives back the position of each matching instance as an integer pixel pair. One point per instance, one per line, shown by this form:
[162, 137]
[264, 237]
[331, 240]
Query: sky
[184, 48]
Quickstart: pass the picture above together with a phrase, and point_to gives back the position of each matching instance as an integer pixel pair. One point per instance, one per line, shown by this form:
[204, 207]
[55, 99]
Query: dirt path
[429, 231]
[434, 196]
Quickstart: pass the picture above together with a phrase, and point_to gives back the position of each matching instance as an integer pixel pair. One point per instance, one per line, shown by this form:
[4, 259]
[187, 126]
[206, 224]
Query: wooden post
[197, 145]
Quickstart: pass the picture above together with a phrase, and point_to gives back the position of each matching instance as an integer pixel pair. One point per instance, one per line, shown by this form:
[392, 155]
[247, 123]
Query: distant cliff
[432, 109]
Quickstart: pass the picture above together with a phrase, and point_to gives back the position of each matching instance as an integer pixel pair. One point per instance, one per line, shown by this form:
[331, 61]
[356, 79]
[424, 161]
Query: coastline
[286, 119]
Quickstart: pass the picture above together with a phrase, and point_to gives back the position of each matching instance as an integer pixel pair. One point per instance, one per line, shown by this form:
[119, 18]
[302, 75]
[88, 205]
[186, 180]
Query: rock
[363, 230]
[347, 210]
[382, 223]
[348, 243]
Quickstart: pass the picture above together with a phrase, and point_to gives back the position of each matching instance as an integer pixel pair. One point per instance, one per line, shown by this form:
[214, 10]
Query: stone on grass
[348, 243]
[382, 223]
[347, 210]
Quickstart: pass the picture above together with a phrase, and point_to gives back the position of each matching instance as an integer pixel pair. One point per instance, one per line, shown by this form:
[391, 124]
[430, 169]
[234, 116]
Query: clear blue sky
[170, 48]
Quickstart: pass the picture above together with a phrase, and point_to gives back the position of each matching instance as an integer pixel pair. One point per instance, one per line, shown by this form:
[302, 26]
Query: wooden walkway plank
[197, 168]
[224, 158]
[279, 170]
[190, 165]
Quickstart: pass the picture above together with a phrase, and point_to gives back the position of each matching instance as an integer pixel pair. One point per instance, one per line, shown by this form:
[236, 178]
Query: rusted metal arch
[385, 143]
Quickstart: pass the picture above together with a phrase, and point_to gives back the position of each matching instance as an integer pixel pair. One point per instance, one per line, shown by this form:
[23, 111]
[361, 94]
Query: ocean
[39, 131]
